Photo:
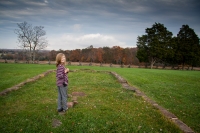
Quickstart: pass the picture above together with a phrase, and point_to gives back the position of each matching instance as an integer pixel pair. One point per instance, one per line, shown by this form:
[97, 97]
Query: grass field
[178, 91]
[12, 74]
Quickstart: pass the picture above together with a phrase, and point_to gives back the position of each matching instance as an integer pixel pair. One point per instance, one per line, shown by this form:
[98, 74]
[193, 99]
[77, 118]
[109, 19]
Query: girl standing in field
[62, 82]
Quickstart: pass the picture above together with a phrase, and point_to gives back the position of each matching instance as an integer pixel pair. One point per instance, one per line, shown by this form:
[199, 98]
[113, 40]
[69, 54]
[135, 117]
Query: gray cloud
[123, 20]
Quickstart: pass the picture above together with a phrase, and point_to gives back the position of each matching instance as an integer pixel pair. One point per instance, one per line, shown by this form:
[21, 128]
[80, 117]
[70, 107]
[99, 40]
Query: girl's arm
[60, 72]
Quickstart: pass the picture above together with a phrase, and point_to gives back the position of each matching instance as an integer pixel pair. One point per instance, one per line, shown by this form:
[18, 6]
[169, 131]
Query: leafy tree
[189, 47]
[173, 52]
[154, 46]
[85, 54]
[52, 55]
[134, 58]
[90, 54]
[117, 54]
[142, 53]
[31, 38]
[127, 56]
[107, 55]
[75, 55]
[99, 55]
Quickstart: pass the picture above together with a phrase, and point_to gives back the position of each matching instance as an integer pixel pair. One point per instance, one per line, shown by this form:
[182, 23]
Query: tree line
[159, 45]
[115, 55]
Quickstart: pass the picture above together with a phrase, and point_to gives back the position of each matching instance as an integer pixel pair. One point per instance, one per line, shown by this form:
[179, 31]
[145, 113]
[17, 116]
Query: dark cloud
[125, 18]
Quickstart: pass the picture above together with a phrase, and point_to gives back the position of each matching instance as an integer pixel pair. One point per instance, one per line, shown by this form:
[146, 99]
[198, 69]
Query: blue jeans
[62, 97]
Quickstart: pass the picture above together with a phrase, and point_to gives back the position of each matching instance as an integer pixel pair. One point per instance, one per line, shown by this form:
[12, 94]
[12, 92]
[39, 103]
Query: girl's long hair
[58, 59]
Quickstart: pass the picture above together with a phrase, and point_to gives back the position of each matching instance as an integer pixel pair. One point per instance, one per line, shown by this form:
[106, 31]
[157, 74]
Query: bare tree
[31, 38]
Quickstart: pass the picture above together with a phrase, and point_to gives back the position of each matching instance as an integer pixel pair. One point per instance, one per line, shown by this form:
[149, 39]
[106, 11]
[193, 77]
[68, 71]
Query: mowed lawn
[107, 107]
[12, 74]
[176, 90]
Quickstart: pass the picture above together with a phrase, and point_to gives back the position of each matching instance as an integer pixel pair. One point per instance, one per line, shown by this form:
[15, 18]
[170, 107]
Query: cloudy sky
[77, 24]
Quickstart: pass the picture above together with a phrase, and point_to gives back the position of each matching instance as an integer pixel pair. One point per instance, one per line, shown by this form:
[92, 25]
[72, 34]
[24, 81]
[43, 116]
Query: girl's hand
[66, 70]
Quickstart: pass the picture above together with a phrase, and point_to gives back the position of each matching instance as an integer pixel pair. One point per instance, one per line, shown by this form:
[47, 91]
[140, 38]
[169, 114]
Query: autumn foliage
[115, 55]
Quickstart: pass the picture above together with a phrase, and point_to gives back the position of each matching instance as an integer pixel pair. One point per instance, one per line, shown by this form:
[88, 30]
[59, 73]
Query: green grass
[12, 74]
[177, 91]
[107, 107]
